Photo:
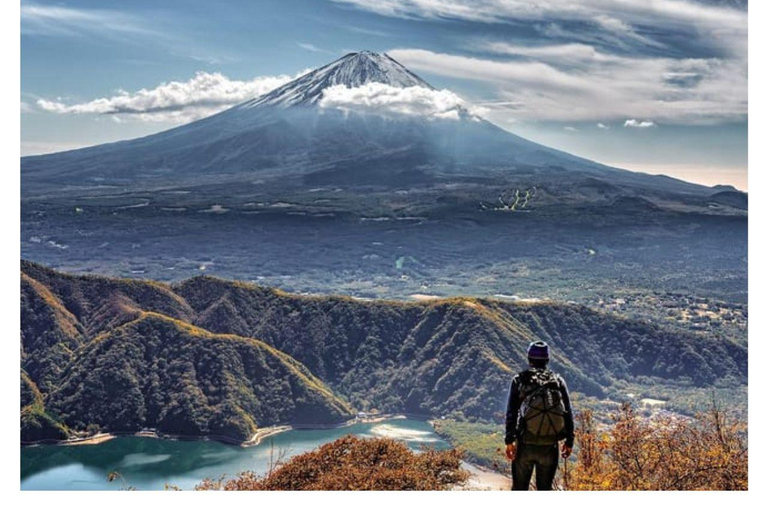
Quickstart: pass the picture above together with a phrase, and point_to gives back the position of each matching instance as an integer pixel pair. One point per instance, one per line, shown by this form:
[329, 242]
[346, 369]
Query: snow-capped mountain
[288, 133]
[352, 70]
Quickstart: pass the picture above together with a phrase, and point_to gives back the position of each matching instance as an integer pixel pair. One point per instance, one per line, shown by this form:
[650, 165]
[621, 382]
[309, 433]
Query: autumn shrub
[353, 463]
[708, 452]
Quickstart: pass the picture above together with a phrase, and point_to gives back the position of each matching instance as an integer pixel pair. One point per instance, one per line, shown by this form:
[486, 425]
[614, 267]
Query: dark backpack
[542, 411]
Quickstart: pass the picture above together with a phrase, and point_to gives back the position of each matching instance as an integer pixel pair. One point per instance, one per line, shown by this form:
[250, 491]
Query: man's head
[538, 354]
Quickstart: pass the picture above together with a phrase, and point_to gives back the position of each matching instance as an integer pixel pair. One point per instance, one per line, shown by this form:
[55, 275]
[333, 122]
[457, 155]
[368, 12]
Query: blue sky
[652, 86]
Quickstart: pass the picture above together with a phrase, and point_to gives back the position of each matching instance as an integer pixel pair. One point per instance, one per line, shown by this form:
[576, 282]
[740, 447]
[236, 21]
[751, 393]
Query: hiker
[539, 415]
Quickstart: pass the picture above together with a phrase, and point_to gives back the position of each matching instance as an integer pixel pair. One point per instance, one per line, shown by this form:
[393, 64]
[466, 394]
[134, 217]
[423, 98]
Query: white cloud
[634, 123]
[603, 126]
[570, 129]
[579, 83]
[612, 24]
[201, 96]
[382, 98]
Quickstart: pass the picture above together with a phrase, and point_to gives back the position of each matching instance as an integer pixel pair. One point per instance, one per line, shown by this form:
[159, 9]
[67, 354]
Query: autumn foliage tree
[352, 463]
[708, 452]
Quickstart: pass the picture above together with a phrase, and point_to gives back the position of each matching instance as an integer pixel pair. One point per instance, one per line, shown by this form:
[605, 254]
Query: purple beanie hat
[538, 350]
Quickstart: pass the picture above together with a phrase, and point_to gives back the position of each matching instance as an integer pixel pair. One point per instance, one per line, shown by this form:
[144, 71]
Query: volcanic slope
[289, 134]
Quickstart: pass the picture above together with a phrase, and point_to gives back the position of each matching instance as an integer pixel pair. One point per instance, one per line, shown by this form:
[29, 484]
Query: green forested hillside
[112, 360]
[49, 333]
[455, 355]
[156, 372]
[125, 355]
[36, 423]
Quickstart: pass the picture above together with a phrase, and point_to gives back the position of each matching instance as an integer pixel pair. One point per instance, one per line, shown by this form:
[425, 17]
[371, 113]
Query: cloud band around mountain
[209, 93]
[203, 95]
[385, 99]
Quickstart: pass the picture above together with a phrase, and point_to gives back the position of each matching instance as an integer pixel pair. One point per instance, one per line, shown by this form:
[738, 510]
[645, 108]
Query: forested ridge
[221, 358]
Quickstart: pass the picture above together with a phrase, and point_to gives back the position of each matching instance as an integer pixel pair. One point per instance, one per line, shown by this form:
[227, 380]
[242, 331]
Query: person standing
[539, 416]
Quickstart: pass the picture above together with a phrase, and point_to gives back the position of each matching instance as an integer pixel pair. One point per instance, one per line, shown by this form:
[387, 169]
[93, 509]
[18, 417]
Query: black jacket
[513, 411]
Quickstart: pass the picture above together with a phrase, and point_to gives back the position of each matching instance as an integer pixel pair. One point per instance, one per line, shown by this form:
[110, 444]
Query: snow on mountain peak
[352, 70]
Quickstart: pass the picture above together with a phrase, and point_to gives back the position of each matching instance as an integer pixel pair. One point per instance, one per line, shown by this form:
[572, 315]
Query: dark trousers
[543, 458]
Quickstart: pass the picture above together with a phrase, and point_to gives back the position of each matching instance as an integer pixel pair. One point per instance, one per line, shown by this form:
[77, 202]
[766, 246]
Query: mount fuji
[290, 133]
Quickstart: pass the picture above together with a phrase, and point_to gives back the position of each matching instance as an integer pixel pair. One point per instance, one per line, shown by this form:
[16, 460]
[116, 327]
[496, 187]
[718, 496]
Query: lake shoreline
[255, 439]
[480, 478]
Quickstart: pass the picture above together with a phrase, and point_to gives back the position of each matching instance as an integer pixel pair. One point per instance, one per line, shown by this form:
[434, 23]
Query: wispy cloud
[311, 48]
[634, 123]
[603, 126]
[682, 61]
[620, 17]
[519, 72]
[203, 95]
[367, 31]
[561, 53]
[161, 33]
[386, 99]
[581, 83]
[55, 20]
[678, 60]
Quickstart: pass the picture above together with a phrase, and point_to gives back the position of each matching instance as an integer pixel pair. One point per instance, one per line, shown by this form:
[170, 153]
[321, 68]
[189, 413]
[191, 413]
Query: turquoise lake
[150, 464]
